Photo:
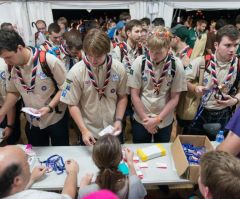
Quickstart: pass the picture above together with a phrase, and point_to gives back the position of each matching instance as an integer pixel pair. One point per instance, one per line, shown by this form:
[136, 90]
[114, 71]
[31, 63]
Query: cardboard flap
[194, 173]
[179, 157]
[196, 140]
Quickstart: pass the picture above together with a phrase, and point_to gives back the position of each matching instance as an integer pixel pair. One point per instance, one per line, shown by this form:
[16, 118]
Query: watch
[50, 108]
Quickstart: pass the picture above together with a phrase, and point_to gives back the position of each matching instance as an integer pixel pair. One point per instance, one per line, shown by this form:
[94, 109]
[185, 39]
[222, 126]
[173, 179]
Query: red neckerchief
[157, 83]
[34, 73]
[91, 75]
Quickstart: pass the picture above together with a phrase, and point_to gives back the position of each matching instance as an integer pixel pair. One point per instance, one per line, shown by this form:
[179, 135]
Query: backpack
[47, 71]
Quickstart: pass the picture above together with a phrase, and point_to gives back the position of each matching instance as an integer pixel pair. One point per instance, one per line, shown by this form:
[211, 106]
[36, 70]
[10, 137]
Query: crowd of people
[99, 74]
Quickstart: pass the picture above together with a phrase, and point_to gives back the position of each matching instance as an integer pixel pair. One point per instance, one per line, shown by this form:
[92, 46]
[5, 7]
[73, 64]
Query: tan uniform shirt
[44, 89]
[192, 71]
[3, 74]
[152, 102]
[132, 55]
[97, 114]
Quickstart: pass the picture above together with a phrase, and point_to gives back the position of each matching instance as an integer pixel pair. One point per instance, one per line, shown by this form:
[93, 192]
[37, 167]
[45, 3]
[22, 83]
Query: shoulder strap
[143, 64]
[173, 69]
[47, 71]
[121, 46]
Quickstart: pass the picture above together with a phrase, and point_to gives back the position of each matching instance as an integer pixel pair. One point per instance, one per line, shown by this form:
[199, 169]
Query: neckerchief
[183, 52]
[213, 65]
[157, 83]
[124, 47]
[91, 75]
[30, 88]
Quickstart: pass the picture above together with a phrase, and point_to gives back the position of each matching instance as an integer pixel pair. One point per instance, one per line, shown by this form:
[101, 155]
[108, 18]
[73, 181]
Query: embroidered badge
[3, 75]
[44, 88]
[64, 93]
[131, 71]
[115, 77]
[113, 90]
[144, 78]
[42, 75]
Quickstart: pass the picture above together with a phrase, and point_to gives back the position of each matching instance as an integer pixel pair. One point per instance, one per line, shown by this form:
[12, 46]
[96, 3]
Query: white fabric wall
[39, 10]
[16, 13]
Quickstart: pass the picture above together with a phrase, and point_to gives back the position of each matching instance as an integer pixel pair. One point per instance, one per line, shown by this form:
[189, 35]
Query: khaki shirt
[44, 89]
[192, 72]
[132, 55]
[3, 75]
[78, 90]
[152, 102]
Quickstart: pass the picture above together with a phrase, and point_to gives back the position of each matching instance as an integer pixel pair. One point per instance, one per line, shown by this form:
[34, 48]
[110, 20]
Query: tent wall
[22, 12]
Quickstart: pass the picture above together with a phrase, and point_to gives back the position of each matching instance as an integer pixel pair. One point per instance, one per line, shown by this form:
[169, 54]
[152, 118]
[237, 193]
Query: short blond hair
[158, 37]
[96, 42]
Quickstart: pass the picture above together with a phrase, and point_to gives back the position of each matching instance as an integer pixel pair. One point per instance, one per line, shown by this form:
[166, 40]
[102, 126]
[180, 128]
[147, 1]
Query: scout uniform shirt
[152, 102]
[43, 91]
[132, 54]
[79, 90]
[3, 74]
[222, 69]
[54, 49]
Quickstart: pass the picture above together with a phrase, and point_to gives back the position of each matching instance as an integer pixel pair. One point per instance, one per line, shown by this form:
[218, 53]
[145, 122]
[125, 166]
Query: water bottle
[220, 136]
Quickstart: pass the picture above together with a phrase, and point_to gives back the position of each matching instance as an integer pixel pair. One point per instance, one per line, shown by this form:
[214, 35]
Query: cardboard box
[184, 170]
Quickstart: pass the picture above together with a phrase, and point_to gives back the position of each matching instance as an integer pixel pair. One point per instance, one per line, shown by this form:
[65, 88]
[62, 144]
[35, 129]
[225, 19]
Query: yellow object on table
[151, 152]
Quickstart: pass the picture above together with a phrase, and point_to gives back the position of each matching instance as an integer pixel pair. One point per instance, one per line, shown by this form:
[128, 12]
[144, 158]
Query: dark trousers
[58, 133]
[15, 135]
[141, 135]
[209, 116]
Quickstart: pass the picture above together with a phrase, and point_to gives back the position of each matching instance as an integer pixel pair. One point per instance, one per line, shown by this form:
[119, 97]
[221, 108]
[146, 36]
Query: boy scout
[127, 52]
[95, 88]
[37, 89]
[11, 122]
[72, 49]
[156, 82]
[220, 89]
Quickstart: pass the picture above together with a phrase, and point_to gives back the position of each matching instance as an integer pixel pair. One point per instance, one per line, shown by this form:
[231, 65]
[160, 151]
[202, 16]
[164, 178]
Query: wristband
[50, 108]
[10, 126]
[118, 119]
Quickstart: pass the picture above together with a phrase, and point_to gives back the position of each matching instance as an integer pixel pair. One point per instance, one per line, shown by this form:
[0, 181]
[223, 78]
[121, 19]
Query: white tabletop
[82, 154]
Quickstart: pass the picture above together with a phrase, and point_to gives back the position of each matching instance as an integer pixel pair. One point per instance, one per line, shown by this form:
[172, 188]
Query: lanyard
[54, 163]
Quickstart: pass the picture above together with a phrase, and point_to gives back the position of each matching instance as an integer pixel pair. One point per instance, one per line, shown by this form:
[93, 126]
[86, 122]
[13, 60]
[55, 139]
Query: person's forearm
[170, 106]
[77, 117]
[191, 87]
[70, 185]
[139, 107]
[54, 102]
[132, 170]
[10, 100]
[121, 106]
[11, 114]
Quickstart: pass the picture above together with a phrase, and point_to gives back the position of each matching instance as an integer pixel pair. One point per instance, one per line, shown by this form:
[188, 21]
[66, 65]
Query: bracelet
[236, 99]
[118, 119]
[10, 126]
[50, 108]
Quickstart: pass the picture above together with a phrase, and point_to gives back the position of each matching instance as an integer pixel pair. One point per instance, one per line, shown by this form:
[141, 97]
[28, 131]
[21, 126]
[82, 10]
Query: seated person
[107, 154]
[232, 142]
[15, 177]
[219, 175]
